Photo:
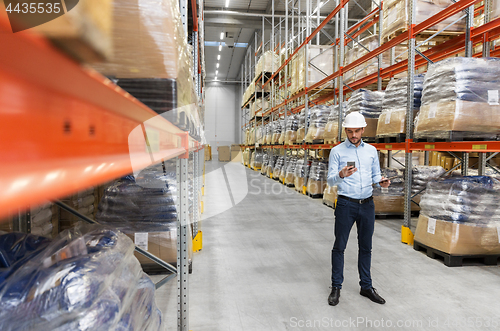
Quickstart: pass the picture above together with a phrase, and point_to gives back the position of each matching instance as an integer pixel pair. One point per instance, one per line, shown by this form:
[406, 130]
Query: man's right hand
[347, 171]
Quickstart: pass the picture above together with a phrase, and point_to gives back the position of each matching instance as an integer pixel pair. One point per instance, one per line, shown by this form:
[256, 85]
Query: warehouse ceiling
[244, 22]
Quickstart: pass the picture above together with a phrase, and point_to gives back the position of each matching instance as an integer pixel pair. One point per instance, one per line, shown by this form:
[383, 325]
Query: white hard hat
[354, 120]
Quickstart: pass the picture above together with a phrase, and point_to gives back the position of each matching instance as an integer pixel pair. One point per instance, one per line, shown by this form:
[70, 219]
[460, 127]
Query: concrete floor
[265, 265]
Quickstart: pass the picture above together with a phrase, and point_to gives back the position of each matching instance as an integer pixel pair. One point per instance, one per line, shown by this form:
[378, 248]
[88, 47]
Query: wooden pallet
[328, 205]
[397, 138]
[422, 36]
[325, 91]
[290, 185]
[414, 213]
[456, 260]
[450, 136]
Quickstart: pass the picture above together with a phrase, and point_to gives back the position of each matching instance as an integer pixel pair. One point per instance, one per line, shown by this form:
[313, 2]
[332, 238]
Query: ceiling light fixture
[221, 35]
[220, 48]
[218, 57]
[217, 65]
[227, 3]
[216, 72]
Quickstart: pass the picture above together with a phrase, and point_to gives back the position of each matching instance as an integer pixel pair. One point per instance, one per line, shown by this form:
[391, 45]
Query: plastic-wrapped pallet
[290, 171]
[392, 120]
[257, 160]
[391, 200]
[370, 66]
[268, 62]
[278, 167]
[301, 131]
[421, 175]
[277, 129]
[272, 161]
[83, 202]
[41, 220]
[396, 16]
[281, 140]
[495, 9]
[87, 278]
[300, 175]
[460, 216]
[292, 125]
[269, 132]
[460, 96]
[330, 195]
[319, 117]
[332, 126]
[152, 60]
[265, 163]
[316, 181]
[259, 135]
[369, 104]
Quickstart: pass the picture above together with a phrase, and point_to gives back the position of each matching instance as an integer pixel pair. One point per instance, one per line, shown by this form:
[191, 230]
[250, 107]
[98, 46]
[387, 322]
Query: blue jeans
[346, 214]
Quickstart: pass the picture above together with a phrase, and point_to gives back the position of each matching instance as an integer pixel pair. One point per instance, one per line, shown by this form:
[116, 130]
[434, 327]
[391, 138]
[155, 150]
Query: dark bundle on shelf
[87, 278]
[292, 125]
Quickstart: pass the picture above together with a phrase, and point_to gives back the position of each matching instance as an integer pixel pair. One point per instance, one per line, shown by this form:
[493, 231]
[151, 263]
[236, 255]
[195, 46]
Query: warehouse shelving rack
[65, 128]
[344, 34]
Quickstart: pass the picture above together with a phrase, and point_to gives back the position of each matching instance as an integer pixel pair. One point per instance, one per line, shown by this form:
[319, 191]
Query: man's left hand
[384, 182]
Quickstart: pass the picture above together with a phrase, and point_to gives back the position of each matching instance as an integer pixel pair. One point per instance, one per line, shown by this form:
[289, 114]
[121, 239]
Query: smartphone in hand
[351, 164]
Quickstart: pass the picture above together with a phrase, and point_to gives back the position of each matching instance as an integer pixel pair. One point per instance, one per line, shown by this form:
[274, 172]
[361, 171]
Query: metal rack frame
[344, 35]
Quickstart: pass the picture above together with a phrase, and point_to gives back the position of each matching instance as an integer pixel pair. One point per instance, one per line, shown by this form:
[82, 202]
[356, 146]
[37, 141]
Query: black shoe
[333, 298]
[372, 295]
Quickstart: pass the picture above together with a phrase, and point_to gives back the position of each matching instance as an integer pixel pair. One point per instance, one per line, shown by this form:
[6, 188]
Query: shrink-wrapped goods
[268, 62]
[330, 195]
[300, 175]
[460, 97]
[319, 117]
[392, 120]
[290, 171]
[369, 104]
[316, 181]
[292, 125]
[332, 125]
[87, 278]
[320, 66]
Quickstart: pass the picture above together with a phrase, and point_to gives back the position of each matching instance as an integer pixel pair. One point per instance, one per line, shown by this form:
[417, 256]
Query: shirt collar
[351, 145]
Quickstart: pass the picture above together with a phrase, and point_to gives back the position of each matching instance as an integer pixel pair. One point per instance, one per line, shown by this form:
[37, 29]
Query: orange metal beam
[65, 128]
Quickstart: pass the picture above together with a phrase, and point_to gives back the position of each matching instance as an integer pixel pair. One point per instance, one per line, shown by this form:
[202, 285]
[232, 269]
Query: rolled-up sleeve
[376, 176]
[333, 169]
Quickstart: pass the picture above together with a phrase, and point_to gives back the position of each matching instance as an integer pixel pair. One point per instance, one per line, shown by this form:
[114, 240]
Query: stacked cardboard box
[208, 152]
[236, 153]
[224, 153]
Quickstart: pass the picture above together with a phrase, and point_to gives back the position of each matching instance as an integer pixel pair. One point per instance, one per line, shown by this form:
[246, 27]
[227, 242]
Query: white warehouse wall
[222, 114]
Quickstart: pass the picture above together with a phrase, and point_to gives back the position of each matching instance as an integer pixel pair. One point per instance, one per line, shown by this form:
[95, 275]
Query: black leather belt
[360, 201]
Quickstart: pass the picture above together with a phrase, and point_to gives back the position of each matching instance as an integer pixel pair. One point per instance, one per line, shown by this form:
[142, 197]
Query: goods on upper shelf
[301, 131]
[460, 97]
[85, 202]
[300, 175]
[85, 279]
[268, 62]
[396, 18]
[316, 181]
[332, 126]
[292, 125]
[152, 60]
[43, 222]
[319, 117]
[249, 92]
[460, 216]
[392, 120]
[258, 106]
[319, 67]
[421, 175]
